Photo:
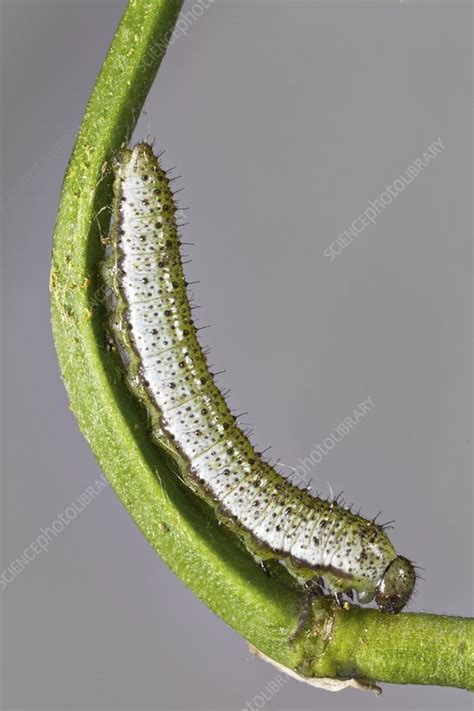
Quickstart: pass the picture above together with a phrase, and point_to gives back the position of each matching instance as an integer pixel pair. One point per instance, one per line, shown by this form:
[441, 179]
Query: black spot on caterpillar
[150, 320]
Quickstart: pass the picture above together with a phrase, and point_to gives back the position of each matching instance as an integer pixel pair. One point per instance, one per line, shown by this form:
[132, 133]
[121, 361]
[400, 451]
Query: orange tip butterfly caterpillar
[165, 367]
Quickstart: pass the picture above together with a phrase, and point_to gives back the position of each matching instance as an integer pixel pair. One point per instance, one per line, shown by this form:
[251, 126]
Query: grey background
[284, 119]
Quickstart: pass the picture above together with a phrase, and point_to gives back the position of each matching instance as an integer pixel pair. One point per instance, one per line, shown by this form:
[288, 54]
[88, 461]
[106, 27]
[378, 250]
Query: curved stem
[179, 526]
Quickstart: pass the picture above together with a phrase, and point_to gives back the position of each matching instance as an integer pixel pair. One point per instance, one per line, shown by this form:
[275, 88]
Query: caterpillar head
[396, 585]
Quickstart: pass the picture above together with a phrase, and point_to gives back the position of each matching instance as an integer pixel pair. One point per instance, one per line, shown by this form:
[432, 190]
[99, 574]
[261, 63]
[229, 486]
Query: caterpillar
[150, 320]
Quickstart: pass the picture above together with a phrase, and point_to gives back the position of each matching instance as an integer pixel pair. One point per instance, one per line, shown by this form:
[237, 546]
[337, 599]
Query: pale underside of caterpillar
[165, 367]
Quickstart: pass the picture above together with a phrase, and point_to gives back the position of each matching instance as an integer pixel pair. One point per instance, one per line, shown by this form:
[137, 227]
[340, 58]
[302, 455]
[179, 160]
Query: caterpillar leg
[268, 566]
[276, 571]
[311, 589]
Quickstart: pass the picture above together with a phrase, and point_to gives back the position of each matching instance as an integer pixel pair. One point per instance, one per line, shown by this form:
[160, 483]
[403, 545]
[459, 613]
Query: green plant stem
[410, 648]
[407, 648]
